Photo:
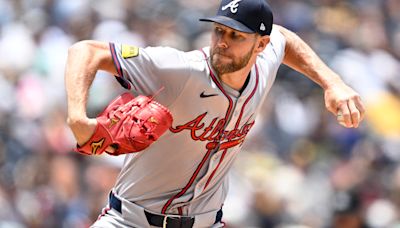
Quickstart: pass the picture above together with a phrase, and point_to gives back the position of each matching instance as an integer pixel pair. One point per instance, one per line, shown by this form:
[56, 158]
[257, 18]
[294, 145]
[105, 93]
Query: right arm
[85, 58]
[340, 99]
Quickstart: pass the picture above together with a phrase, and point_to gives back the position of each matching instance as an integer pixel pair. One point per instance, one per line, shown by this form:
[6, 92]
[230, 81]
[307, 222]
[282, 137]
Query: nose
[221, 42]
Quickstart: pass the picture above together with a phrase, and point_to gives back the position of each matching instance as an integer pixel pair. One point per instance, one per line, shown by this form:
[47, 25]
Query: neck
[237, 79]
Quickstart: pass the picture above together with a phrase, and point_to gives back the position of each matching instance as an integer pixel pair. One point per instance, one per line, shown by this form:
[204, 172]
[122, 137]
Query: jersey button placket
[213, 164]
[199, 189]
[215, 158]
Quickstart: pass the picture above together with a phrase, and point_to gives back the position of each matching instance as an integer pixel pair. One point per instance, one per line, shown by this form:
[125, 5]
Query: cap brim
[231, 23]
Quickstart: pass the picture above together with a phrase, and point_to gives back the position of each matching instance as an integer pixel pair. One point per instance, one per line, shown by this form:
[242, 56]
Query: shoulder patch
[128, 51]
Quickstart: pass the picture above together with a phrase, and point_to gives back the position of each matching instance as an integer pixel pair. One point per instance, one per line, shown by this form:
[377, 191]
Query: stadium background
[299, 166]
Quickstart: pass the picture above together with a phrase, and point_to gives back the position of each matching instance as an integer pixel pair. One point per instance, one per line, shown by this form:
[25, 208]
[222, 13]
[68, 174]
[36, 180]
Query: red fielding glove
[128, 125]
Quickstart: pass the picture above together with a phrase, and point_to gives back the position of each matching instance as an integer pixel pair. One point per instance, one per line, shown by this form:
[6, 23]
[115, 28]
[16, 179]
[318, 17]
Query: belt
[167, 221]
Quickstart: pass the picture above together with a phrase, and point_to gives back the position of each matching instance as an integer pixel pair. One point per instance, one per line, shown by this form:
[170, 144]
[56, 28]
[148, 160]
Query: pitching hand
[345, 104]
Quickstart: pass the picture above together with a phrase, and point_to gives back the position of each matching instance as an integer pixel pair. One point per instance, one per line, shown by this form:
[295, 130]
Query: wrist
[332, 82]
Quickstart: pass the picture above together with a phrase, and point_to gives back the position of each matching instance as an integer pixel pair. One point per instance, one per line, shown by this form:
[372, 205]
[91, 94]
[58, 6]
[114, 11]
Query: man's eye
[235, 36]
[218, 30]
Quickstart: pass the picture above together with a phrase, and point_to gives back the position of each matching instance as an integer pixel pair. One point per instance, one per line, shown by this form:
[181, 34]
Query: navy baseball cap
[249, 16]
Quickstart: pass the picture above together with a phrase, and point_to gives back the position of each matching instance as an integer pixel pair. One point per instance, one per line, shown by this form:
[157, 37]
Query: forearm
[84, 60]
[79, 74]
[300, 57]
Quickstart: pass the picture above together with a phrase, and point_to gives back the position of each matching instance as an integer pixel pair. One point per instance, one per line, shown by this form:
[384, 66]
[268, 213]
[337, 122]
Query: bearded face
[223, 63]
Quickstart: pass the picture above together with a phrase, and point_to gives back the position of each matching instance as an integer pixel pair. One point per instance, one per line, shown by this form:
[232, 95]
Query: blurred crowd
[299, 168]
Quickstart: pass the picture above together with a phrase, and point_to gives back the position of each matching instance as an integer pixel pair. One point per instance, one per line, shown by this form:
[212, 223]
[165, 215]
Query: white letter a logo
[233, 5]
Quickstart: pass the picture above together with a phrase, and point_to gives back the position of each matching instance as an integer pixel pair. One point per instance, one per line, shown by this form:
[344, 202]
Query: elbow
[93, 53]
[79, 47]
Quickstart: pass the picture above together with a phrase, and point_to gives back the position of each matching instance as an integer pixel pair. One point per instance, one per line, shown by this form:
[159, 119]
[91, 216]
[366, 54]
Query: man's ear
[262, 43]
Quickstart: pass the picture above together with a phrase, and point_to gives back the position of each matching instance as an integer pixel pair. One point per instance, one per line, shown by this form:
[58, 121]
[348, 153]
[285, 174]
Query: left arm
[340, 99]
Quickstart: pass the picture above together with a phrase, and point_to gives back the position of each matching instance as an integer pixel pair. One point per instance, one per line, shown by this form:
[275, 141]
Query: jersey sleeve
[278, 44]
[271, 58]
[147, 70]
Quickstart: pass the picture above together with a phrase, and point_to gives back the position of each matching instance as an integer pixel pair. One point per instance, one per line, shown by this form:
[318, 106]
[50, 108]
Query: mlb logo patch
[128, 51]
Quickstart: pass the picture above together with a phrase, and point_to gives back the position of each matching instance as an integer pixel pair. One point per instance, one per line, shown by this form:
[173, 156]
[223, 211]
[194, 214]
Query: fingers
[354, 113]
[344, 116]
[345, 104]
[351, 113]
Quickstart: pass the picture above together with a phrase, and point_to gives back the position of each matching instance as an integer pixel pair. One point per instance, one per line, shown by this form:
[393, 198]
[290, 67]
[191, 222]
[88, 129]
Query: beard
[236, 64]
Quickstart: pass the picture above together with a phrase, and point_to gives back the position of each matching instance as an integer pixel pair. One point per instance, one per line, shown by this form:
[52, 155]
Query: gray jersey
[185, 171]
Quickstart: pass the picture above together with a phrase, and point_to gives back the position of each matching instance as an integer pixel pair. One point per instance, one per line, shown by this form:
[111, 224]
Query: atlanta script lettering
[214, 132]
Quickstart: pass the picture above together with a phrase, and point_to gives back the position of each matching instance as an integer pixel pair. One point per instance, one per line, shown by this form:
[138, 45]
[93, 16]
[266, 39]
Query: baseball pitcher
[181, 143]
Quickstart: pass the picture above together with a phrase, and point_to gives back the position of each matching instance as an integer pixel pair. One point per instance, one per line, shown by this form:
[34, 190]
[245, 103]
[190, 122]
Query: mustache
[220, 51]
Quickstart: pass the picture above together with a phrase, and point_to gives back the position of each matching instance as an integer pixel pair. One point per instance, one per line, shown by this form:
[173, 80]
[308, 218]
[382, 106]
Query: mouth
[220, 52]
[224, 56]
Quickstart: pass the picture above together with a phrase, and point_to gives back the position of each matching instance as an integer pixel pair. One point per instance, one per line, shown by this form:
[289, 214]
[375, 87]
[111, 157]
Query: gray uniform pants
[132, 215]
